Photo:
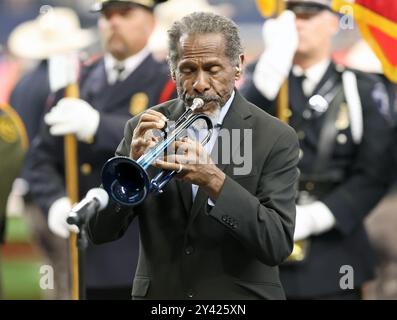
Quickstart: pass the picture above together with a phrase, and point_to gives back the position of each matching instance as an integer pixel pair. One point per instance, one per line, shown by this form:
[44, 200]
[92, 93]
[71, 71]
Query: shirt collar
[313, 74]
[129, 64]
[225, 109]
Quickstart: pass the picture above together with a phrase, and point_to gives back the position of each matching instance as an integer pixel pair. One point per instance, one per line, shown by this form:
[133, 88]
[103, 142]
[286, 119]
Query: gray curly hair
[203, 23]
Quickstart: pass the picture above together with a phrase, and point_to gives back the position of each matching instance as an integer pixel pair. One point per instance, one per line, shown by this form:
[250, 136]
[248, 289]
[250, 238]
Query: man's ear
[239, 68]
[242, 59]
[173, 75]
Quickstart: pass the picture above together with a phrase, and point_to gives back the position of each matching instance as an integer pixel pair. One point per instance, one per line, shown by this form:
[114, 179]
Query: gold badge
[342, 121]
[139, 103]
[8, 131]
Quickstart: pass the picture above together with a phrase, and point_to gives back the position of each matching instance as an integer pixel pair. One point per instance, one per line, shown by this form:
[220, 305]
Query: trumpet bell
[125, 181]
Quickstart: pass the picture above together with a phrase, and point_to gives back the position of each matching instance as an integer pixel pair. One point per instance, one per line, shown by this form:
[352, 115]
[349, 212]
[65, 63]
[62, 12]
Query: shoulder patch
[12, 129]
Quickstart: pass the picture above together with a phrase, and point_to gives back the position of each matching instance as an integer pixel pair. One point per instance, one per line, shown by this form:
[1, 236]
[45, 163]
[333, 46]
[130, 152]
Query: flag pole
[283, 112]
[71, 178]
[299, 250]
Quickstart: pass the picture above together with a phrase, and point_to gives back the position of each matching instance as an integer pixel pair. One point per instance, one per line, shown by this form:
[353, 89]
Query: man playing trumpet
[213, 233]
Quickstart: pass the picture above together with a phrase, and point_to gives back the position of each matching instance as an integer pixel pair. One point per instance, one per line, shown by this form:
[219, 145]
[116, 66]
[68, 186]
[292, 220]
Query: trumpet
[127, 181]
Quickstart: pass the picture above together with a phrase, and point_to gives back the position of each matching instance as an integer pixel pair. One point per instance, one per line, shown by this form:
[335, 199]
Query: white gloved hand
[281, 41]
[57, 215]
[312, 219]
[73, 116]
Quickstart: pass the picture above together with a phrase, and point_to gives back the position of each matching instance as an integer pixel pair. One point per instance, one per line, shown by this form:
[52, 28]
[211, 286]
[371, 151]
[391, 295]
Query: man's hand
[57, 215]
[143, 137]
[194, 165]
[73, 116]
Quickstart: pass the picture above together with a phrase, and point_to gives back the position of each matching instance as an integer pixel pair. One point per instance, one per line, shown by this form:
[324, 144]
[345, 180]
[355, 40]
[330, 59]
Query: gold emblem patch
[139, 103]
[8, 131]
[342, 121]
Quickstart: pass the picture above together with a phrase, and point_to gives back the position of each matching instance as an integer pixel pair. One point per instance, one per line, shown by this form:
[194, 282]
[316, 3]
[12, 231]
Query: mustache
[206, 98]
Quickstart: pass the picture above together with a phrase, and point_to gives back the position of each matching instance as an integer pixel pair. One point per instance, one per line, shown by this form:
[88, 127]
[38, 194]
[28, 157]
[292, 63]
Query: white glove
[312, 219]
[73, 116]
[57, 215]
[281, 41]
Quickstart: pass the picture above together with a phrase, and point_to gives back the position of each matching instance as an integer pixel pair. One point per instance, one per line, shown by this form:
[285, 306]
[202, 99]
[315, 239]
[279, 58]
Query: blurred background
[21, 258]
[244, 13]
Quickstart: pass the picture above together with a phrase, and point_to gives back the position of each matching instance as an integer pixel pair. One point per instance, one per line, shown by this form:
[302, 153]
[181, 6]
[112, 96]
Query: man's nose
[201, 84]
[114, 19]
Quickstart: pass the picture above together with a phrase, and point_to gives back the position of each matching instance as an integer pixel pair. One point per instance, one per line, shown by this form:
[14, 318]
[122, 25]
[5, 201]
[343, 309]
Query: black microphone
[95, 200]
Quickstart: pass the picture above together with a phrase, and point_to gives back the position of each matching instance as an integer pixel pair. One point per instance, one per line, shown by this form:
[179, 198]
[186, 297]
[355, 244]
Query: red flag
[377, 20]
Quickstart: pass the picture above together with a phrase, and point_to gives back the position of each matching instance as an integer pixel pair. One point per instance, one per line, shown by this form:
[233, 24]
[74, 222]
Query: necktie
[199, 136]
[120, 68]
[298, 98]
[300, 80]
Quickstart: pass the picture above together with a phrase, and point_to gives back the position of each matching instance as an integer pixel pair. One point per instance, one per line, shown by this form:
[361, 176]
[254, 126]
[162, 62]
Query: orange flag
[267, 8]
[377, 21]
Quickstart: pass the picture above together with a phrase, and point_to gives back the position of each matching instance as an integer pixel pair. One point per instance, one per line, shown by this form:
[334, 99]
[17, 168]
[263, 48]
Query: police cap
[308, 6]
[147, 4]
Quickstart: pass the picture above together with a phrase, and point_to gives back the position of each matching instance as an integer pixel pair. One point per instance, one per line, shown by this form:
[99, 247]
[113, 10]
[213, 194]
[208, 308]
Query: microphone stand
[80, 219]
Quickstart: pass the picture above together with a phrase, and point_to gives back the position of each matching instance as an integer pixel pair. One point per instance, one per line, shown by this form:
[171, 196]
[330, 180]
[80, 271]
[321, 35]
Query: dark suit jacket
[364, 169]
[231, 251]
[108, 265]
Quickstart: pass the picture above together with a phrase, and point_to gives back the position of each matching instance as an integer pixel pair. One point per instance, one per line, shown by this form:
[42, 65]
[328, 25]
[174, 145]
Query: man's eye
[186, 70]
[215, 69]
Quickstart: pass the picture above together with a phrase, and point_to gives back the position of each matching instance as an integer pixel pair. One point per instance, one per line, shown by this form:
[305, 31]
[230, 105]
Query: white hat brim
[28, 41]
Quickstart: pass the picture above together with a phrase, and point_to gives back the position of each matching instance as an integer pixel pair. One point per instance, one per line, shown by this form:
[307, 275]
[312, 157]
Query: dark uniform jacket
[29, 99]
[108, 265]
[232, 250]
[348, 177]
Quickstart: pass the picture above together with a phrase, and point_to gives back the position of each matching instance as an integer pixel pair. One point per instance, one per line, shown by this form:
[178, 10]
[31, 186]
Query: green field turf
[19, 272]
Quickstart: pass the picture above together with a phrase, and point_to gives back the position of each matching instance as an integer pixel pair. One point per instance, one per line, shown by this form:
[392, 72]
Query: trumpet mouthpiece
[197, 103]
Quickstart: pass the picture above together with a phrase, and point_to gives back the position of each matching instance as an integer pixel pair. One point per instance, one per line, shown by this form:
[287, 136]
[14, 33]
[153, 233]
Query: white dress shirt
[127, 66]
[215, 132]
[313, 75]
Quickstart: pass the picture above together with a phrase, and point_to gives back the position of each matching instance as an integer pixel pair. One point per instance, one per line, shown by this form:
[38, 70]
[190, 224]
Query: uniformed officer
[123, 83]
[344, 158]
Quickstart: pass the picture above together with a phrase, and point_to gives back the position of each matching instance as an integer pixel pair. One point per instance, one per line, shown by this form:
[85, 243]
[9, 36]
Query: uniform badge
[342, 121]
[8, 131]
[139, 103]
